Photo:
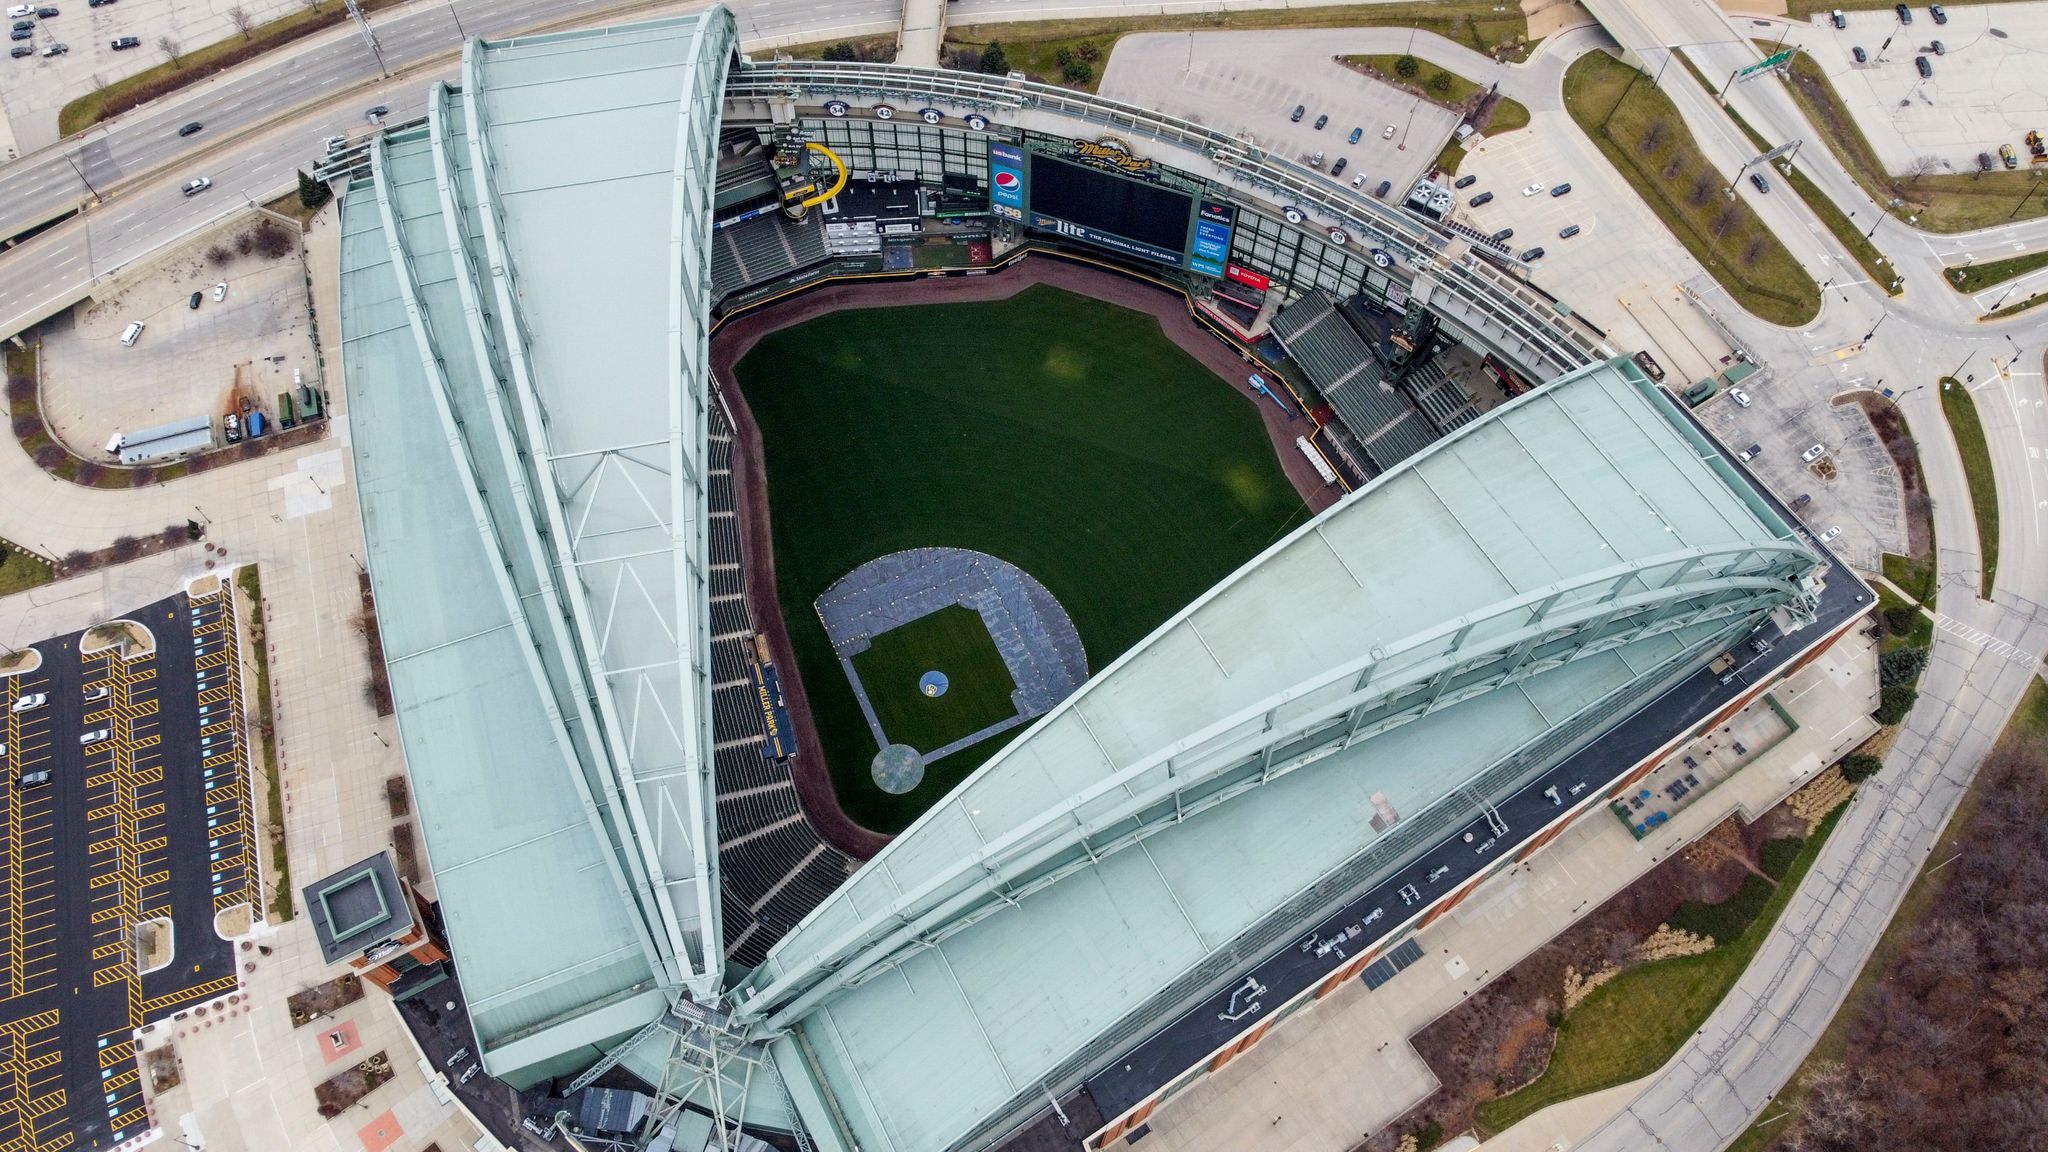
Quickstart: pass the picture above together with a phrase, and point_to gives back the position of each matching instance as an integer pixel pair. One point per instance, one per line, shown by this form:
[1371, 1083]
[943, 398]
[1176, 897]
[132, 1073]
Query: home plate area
[945, 648]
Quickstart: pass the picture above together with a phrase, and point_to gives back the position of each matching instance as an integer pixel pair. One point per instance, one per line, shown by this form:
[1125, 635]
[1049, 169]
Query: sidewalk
[1324, 1083]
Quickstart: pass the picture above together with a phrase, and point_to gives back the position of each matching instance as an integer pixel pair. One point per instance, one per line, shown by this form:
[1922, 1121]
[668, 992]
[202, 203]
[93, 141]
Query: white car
[220, 292]
[196, 186]
[56, 49]
[30, 702]
[1533, 189]
[1833, 531]
[1387, 133]
[1358, 181]
[20, 11]
[96, 692]
[1813, 453]
[1740, 397]
[92, 737]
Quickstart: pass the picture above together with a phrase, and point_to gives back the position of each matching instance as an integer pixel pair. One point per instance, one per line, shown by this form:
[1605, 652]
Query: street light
[1874, 327]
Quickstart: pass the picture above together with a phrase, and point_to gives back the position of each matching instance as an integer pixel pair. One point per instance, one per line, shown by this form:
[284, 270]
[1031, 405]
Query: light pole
[457, 17]
[1874, 327]
[2031, 185]
[72, 159]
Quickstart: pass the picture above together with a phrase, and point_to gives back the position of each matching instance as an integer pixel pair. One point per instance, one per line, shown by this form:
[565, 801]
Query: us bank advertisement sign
[1006, 179]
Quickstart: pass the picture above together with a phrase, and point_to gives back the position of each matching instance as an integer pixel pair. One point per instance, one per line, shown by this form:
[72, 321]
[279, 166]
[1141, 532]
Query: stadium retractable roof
[1461, 623]
[528, 375]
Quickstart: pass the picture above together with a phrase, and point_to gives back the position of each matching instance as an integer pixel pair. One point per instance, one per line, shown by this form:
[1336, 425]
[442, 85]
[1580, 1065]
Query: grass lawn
[1914, 577]
[1639, 131]
[1033, 46]
[19, 572]
[1064, 435]
[1943, 201]
[1632, 1024]
[2029, 720]
[1447, 161]
[956, 642]
[1443, 86]
[1922, 633]
[281, 907]
[1967, 278]
[2031, 300]
[1969, 433]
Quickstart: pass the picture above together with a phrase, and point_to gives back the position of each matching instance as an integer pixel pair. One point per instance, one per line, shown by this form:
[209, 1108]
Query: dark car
[47, 12]
[1560, 190]
[126, 42]
[1532, 255]
[189, 129]
[1300, 110]
[1503, 235]
[1482, 198]
[1337, 169]
[1939, 50]
[1861, 56]
[194, 302]
[1381, 191]
[1757, 178]
[21, 50]
[1905, 13]
[21, 34]
[1926, 69]
[1840, 20]
[1939, 13]
[24, 25]
[1466, 181]
[1568, 231]
[1322, 120]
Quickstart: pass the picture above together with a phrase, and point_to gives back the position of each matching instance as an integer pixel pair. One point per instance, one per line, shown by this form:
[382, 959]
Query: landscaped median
[1641, 133]
[1974, 278]
[1443, 86]
[1976, 453]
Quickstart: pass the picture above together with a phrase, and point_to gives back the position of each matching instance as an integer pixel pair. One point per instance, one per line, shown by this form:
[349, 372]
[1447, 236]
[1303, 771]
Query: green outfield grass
[1064, 435]
[956, 642]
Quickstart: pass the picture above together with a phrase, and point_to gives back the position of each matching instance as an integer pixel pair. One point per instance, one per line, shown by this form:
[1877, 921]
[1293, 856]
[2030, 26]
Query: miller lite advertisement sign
[1006, 180]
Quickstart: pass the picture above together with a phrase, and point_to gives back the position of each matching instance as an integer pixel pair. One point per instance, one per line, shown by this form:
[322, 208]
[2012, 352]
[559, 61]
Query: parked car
[1802, 500]
[1937, 47]
[1560, 190]
[1859, 55]
[1503, 236]
[56, 49]
[24, 25]
[1358, 181]
[1482, 198]
[190, 128]
[1316, 161]
[1355, 134]
[220, 292]
[377, 113]
[1387, 133]
[1757, 178]
[1840, 20]
[20, 50]
[1833, 531]
[123, 43]
[1568, 231]
[1532, 189]
[46, 12]
[1337, 169]
[195, 186]
[194, 302]
[96, 693]
[1300, 110]
[1905, 13]
[97, 3]
[21, 34]
[1321, 121]
[30, 702]
[1926, 69]
[1813, 453]
[1740, 397]
[1939, 13]
[1532, 255]
[20, 10]
[1750, 453]
[92, 736]
[1466, 181]
[1650, 367]
[1381, 191]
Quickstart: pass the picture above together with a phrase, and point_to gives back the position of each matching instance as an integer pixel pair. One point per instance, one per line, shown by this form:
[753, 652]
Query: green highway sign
[1766, 64]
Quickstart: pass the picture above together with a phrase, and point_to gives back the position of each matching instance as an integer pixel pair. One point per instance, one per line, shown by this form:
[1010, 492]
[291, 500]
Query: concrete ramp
[924, 27]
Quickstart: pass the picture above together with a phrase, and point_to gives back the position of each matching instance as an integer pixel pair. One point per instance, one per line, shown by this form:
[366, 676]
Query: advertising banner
[1006, 180]
[1248, 278]
[1211, 249]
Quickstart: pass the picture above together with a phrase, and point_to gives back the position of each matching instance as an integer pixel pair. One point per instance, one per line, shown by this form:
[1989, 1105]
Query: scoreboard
[1100, 194]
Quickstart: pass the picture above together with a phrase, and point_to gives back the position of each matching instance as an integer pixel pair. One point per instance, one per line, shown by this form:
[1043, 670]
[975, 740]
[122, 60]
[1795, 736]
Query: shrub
[1726, 920]
[1777, 855]
[1429, 1136]
[840, 52]
[125, 548]
[1857, 769]
[1078, 72]
[1894, 702]
[1063, 57]
[27, 426]
[1899, 619]
[141, 477]
[48, 456]
[1089, 50]
[90, 473]
[1440, 83]
[1406, 67]
[994, 60]
[1901, 666]
[75, 560]
[313, 193]
[272, 241]
[20, 389]
[244, 243]
[218, 256]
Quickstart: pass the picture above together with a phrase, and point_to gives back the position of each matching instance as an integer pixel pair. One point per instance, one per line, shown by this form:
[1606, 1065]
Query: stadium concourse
[1500, 630]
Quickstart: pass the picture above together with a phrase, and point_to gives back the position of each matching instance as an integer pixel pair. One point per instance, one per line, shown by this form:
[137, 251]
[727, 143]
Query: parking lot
[34, 88]
[187, 362]
[116, 864]
[1985, 90]
[1249, 83]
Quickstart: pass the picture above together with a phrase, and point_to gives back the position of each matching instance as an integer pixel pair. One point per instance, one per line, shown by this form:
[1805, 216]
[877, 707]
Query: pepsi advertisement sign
[1211, 249]
[1006, 180]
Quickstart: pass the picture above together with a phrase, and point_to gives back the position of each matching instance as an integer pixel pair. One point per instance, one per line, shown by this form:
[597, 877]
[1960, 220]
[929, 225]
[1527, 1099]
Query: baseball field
[1065, 435]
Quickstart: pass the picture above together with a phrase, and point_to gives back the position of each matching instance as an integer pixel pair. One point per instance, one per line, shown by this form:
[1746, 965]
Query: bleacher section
[765, 248]
[1442, 402]
[1383, 421]
[773, 866]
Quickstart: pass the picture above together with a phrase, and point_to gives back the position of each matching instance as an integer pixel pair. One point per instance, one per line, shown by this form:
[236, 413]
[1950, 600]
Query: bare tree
[171, 51]
[243, 21]
[1725, 219]
[1924, 164]
[1833, 1110]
